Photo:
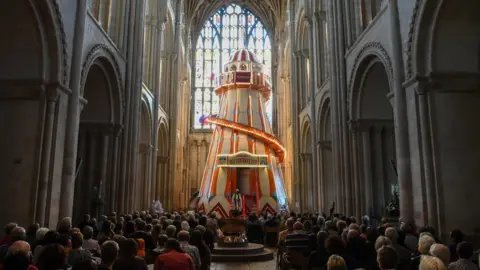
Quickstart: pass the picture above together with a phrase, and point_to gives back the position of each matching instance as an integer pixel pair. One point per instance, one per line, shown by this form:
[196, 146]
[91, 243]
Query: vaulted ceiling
[270, 12]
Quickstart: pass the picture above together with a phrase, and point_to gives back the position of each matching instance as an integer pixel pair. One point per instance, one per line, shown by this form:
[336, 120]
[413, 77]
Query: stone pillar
[320, 191]
[313, 115]
[367, 165]
[105, 137]
[379, 173]
[91, 180]
[102, 14]
[117, 130]
[51, 100]
[401, 118]
[71, 135]
[356, 177]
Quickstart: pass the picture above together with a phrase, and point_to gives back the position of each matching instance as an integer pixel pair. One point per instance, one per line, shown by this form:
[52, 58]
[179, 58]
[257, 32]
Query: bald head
[19, 247]
[18, 234]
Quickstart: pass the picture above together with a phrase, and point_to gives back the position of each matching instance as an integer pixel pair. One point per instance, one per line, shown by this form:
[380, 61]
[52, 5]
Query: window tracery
[230, 28]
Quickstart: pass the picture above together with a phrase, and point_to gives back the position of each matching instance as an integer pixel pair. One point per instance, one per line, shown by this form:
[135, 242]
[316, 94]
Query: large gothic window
[230, 28]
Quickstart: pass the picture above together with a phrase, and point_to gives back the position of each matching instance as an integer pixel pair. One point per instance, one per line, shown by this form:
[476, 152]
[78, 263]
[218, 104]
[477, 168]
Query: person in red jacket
[174, 258]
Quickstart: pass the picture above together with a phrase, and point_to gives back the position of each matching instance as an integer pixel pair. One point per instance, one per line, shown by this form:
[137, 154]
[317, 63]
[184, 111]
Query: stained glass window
[230, 28]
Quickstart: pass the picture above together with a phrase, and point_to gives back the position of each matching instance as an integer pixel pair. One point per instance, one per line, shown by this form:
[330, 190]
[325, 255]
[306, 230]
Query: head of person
[140, 225]
[336, 262]
[196, 238]
[289, 223]
[387, 258]
[431, 263]
[201, 228]
[341, 225]
[185, 226]
[117, 238]
[381, 242]
[162, 239]
[87, 232]
[18, 256]
[456, 236]
[392, 234]
[330, 225]
[18, 234]
[128, 248]
[173, 245]
[52, 257]
[183, 236]
[354, 226]
[170, 231]
[321, 238]
[424, 243]
[129, 228]
[335, 245]
[9, 228]
[51, 237]
[464, 250]
[440, 251]
[298, 226]
[40, 234]
[77, 240]
[64, 225]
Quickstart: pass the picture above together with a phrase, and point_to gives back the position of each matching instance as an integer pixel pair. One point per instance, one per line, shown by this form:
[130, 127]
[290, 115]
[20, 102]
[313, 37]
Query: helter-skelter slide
[243, 154]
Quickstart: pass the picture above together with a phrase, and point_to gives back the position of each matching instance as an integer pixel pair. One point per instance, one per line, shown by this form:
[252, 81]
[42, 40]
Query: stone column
[356, 172]
[117, 130]
[367, 156]
[313, 113]
[51, 100]
[102, 12]
[401, 118]
[294, 103]
[379, 178]
[320, 192]
[91, 166]
[106, 134]
[71, 134]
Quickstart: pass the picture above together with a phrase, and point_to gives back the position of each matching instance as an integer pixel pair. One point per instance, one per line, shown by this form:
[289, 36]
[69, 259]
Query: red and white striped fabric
[243, 55]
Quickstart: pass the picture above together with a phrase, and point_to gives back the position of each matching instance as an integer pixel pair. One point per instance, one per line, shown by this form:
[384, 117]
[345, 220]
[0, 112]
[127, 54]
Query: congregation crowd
[185, 241]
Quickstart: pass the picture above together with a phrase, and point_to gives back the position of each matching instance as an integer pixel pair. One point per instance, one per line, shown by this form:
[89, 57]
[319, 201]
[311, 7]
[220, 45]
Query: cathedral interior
[101, 104]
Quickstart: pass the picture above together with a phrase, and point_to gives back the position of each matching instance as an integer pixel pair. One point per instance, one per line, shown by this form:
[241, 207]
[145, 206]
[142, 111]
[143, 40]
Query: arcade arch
[373, 143]
[100, 127]
[325, 161]
[306, 183]
[163, 186]
[143, 185]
